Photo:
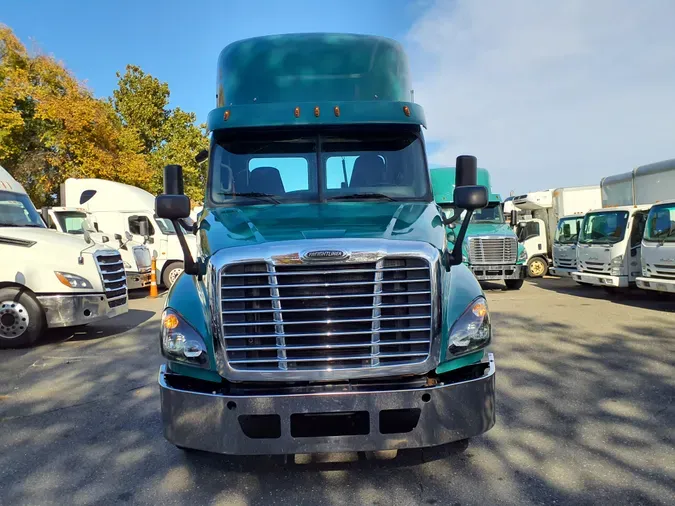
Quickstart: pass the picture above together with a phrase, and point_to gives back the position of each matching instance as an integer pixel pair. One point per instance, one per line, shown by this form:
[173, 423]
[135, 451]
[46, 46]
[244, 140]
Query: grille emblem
[324, 255]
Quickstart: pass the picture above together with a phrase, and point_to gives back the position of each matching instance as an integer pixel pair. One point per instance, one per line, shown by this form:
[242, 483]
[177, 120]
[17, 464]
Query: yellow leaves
[52, 127]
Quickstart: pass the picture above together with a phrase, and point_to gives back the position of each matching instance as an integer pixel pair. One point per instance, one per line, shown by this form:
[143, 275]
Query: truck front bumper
[136, 280]
[600, 279]
[335, 421]
[657, 284]
[72, 310]
[562, 272]
[497, 272]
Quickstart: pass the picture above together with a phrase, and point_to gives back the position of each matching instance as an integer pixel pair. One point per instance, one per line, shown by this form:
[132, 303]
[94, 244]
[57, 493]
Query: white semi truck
[136, 256]
[49, 279]
[610, 251]
[121, 207]
[541, 234]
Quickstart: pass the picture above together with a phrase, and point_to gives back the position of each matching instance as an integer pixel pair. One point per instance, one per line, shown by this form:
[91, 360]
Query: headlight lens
[180, 342]
[522, 256]
[72, 280]
[472, 331]
[616, 261]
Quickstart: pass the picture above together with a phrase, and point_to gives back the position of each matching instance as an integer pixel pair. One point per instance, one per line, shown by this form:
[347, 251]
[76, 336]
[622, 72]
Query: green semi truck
[325, 310]
[490, 249]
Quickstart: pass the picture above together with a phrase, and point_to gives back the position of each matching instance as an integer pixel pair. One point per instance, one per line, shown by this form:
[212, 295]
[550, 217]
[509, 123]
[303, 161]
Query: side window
[135, 225]
[527, 230]
[279, 175]
[637, 229]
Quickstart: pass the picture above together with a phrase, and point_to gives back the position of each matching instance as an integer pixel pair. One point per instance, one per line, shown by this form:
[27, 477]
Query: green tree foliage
[52, 127]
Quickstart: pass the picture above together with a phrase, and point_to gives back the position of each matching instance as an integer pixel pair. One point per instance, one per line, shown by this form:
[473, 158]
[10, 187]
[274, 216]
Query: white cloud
[547, 93]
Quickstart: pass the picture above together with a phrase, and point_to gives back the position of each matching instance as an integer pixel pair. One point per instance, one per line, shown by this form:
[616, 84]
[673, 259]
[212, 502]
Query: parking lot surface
[585, 388]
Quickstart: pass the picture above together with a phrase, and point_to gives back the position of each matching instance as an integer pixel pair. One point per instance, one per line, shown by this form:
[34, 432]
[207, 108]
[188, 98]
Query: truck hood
[51, 237]
[501, 229]
[227, 227]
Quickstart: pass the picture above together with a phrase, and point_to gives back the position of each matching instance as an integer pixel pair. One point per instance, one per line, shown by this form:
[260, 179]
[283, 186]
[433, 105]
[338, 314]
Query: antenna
[412, 96]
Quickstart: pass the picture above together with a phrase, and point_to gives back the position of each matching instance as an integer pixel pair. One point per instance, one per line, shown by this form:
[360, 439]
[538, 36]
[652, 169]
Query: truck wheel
[21, 318]
[537, 267]
[171, 273]
[514, 284]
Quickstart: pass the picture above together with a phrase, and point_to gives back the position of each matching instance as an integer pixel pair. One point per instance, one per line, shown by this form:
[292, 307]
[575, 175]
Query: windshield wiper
[254, 195]
[353, 196]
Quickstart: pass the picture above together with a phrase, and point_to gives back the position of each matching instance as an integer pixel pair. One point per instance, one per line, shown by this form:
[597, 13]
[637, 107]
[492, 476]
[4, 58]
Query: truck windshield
[16, 210]
[568, 230]
[72, 222]
[606, 227]
[301, 165]
[661, 224]
[490, 214]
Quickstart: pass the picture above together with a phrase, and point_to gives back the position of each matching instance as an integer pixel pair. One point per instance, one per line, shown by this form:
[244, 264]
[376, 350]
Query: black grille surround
[111, 268]
[327, 320]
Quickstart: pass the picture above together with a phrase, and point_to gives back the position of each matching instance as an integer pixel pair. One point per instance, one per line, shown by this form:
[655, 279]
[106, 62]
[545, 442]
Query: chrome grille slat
[274, 315]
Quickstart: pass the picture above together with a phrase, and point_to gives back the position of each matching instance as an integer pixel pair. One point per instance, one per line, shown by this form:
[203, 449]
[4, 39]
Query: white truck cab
[127, 209]
[136, 256]
[49, 279]
[608, 250]
[658, 249]
[565, 245]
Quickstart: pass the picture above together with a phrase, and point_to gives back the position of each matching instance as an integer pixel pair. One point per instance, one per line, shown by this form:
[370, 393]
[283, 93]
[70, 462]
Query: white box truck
[657, 181]
[539, 234]
[610, 250]
[136, 256]
[49, 279]
[124, 208]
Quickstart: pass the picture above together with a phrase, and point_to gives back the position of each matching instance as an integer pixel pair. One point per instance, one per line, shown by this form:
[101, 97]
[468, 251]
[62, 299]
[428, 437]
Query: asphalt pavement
[585, 388]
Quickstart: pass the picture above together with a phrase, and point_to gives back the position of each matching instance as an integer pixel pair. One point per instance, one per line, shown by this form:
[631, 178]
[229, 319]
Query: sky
[545, 93]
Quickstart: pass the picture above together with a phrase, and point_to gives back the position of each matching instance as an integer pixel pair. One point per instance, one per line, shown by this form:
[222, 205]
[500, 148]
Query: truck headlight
[472, 330]
[72, 280]
[616, 261]
[180, 342]
[522, 256]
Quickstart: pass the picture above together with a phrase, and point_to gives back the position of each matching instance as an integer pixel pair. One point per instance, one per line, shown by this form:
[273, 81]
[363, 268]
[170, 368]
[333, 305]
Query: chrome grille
[493, 250]
[323, 317]
[142, 257]
[595, 267]
[111, 267]
[664, 270]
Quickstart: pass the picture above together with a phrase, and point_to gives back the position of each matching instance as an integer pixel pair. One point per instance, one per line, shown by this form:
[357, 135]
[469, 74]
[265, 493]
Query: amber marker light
[336, 110]
[406, 110]
[296, 113]
[317, 111]
[226, 115]
[170, 322]
[479, 309]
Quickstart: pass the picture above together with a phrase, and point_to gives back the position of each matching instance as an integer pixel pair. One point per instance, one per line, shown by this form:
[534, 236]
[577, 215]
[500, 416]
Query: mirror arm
[190, 266]
[455, 258]
[449, 221]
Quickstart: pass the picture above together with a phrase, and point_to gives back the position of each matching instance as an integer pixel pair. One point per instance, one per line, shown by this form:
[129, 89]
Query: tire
[514, 284]
[22, 320]
[171, 273]
[537, 267]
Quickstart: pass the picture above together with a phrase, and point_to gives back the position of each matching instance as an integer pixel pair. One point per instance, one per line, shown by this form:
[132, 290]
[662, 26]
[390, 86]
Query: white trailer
[122, 208]
[49, 279]
[74, 220]
[539, 234]
[612, 250]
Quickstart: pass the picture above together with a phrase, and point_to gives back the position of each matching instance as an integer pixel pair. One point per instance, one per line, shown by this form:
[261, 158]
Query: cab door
[638, 222]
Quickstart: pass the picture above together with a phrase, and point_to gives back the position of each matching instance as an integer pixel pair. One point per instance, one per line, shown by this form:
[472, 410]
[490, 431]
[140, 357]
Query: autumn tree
[52, 127]
[169, 136]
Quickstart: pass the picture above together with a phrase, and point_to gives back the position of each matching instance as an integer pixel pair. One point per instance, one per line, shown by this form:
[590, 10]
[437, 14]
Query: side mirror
[105, 239]
[514, 217]
[143, 227]
[201, 156]
[118, 237]
[87, 237]
[150, 240]
[128, 236]
[172, 207]
[470, 197]
[173, 182]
